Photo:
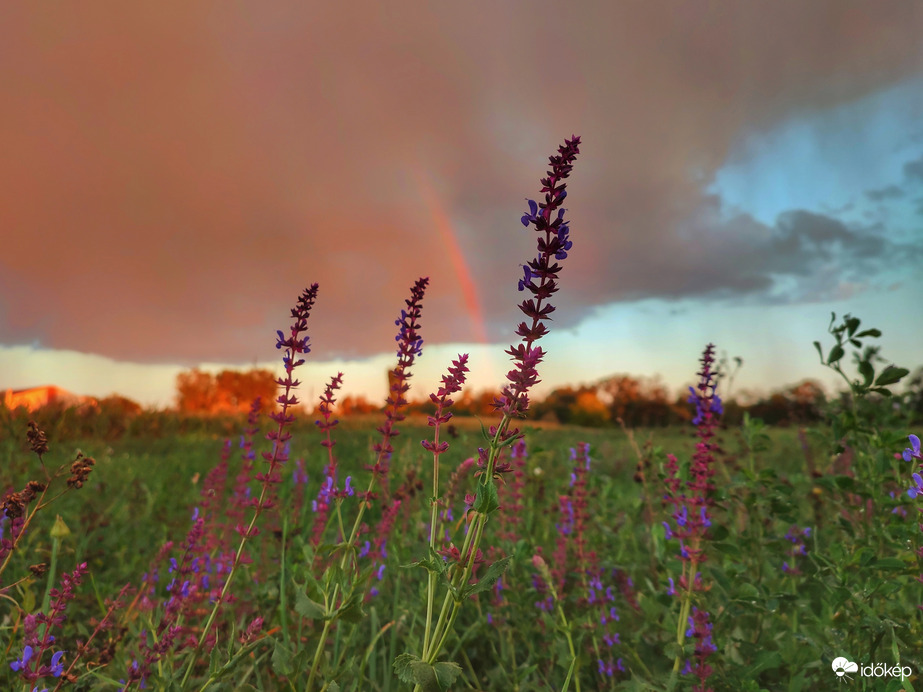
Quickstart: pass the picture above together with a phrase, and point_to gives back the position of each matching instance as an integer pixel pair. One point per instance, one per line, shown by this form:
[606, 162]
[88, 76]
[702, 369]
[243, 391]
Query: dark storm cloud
[913, 171]
[885, 193]
[173, 175]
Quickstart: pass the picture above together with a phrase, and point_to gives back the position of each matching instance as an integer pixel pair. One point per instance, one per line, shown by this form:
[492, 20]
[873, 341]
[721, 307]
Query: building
[36, 397]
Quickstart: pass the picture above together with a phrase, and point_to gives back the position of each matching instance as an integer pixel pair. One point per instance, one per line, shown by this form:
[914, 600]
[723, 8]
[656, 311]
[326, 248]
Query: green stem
[283, 609]
[52, 570]
[689, 572]
[565, 627]
[318, 652]
[434, 512]
[331, 601]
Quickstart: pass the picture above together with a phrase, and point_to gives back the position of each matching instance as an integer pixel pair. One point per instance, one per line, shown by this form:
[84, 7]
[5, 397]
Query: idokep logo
[843, 666]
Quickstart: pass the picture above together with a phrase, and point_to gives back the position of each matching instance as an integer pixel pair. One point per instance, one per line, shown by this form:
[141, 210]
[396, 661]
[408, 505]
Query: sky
[173, 175]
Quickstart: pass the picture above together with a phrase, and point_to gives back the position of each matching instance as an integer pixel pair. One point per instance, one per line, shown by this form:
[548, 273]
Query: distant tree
[558, 405]
[230, 391]
[638, 402]
[354, 404]
[806, 400]
[119, 405]
[588, 409]
[196, 392]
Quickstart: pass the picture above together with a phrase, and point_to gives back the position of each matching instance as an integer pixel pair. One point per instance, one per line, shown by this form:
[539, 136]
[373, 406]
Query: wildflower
[918, 486]
[410, 346]
[56, 666]
[700, 629]
[540, 278]
[23, 661]
[913, 452]
[530, 216]
[252, 631]
[451, 384]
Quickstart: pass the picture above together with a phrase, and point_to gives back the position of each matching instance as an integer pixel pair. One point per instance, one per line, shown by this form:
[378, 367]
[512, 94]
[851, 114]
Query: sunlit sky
[172, 176]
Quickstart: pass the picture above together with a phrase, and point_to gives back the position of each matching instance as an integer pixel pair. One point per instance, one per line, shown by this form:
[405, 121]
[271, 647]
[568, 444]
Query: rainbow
[460, 266]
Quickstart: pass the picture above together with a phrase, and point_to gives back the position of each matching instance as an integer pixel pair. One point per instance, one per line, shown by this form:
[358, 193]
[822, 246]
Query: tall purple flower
[36, 643]
[540, 279]
[409, 347]
[452, 383]
[328, 423]
[691, 519]
[915, 492]
[295, 345]
[700, 629]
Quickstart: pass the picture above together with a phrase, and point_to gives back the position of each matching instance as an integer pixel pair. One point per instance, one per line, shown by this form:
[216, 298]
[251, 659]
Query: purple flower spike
[913, 452]
[542, 274]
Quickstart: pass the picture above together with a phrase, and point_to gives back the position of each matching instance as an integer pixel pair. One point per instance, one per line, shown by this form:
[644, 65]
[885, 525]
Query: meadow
[497, 554]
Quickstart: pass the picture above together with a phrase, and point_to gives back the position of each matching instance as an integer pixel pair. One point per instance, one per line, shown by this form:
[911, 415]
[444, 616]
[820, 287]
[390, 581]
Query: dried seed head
[80, 470]
[37, 440]
[39, 569]
[14, 504]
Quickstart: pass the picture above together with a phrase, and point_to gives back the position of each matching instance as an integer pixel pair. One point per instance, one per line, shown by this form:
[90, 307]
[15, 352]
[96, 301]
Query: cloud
[885, 193]
[913, 171]
[172, 180]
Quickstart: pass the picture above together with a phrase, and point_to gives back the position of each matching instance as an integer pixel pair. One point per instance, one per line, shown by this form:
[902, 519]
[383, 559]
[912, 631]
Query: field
[852, 591]
[392, 553]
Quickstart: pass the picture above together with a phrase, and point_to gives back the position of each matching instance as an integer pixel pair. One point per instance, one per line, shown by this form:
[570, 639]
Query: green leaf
[412, 669]
[334, 686]
[494, 572]
[728, 548]
[890, 375]
[836, 353]
[282, 660]
[874, 333]
[486, 501]
[881, 390]
[484, 432]
[767, 660]
[819, 352]
[867, 372]
[889, 564]
[351, 610]
[312, 587]
[433, 563]
[446, 673]
[403, 667]
[308, 608]
[852, 324]
[747, 590]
